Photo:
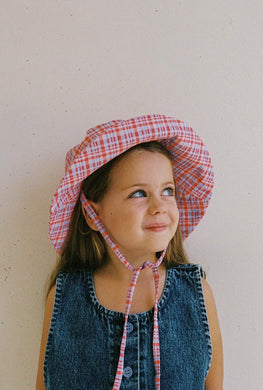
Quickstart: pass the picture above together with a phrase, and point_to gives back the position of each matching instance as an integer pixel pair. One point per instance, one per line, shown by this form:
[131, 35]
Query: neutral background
[68, 65]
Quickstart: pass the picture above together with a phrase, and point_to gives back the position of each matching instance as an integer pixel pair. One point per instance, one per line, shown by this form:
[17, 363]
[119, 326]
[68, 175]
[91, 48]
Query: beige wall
[68, 65]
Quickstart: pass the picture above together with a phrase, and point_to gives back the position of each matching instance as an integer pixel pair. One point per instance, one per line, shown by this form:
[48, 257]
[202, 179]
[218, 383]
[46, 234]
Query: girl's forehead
[142, 163]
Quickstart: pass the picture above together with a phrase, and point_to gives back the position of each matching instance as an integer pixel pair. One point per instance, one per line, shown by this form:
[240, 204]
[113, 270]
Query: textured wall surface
[68, 65]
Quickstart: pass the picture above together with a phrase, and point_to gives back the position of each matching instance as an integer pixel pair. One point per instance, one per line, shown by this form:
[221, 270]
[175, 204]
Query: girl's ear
[88, 219]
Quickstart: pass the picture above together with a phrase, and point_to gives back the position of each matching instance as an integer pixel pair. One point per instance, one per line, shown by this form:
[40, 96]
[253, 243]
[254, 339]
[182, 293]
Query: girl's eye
[169, 192]
[138, 194]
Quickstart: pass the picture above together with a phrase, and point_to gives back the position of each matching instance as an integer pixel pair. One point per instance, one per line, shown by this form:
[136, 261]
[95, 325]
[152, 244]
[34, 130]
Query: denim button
[127, 372]
[129, 327]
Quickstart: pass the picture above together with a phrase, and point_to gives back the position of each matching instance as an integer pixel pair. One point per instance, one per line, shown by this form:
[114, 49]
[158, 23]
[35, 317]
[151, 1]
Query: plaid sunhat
[191, 162]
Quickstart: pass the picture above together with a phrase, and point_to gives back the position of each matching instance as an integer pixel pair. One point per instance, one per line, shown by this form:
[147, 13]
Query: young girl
[125, 310]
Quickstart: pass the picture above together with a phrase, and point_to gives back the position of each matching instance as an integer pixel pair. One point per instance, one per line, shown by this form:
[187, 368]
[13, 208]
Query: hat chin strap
[136, 272]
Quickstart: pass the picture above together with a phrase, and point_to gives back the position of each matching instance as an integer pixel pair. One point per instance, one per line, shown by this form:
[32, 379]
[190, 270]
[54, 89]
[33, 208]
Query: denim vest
[84, 338]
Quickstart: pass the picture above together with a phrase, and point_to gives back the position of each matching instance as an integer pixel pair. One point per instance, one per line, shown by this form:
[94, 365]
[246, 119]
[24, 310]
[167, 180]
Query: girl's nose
[157, 206]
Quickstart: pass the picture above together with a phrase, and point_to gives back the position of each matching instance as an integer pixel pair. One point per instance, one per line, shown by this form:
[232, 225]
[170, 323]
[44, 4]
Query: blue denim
[84, 339]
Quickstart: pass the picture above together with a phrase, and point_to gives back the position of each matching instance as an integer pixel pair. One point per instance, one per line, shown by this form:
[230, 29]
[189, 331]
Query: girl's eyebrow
[170, 183]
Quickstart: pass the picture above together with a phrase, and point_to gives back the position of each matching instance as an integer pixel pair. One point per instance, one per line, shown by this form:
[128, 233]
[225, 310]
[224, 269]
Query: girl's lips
[156, 227]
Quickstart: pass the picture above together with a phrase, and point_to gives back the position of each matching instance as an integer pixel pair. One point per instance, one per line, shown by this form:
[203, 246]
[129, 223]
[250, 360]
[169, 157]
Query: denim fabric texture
[84, 338]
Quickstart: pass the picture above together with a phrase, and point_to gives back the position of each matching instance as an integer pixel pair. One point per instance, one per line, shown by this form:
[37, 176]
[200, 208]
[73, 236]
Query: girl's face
[139, 208]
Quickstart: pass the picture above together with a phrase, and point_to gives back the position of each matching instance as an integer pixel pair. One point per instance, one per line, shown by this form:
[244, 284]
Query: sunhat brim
[191, 162]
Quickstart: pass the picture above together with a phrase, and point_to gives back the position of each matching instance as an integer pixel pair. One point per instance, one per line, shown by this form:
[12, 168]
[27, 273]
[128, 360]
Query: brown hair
[86, 248]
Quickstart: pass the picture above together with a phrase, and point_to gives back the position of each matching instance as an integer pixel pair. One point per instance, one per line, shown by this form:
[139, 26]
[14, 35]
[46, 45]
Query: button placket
[131, 361]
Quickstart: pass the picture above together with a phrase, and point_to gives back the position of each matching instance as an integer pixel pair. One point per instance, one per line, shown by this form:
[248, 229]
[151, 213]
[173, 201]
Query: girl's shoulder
[71, 277]
[183, 284]
[189, 269]
[77, 279]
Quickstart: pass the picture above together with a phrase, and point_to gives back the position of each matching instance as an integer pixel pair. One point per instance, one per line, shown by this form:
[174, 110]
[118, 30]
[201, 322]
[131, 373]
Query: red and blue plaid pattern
[191, 164]
[136, 272]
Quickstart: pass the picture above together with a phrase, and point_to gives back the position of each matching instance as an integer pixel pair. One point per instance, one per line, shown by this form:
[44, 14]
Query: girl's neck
[115, 268]
[111, 283]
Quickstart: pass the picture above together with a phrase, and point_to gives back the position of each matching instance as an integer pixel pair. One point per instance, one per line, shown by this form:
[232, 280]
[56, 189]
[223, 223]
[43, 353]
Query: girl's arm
[47, 318]
[214, 379]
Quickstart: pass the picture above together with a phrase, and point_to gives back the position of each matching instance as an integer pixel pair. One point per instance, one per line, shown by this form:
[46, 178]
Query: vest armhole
[201, 274]
[58, 293]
